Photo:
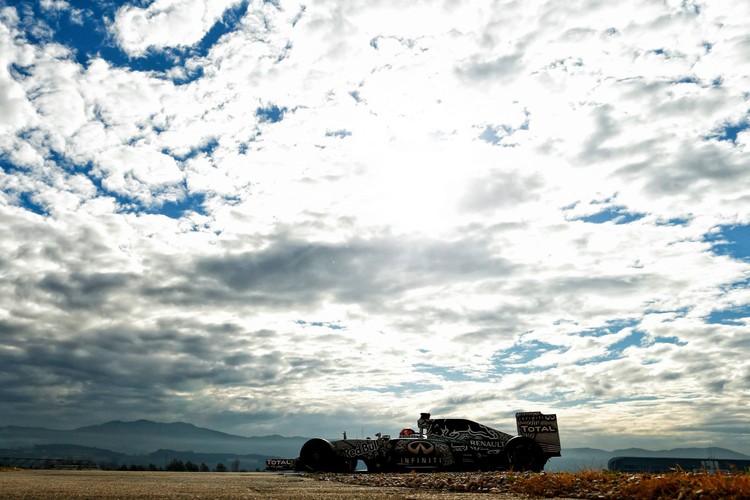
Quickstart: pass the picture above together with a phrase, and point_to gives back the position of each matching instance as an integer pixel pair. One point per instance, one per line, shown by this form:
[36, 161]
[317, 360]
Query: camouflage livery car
[445, 444]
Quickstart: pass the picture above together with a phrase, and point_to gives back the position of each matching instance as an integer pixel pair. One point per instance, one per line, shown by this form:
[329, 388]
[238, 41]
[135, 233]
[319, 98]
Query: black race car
[444, 444]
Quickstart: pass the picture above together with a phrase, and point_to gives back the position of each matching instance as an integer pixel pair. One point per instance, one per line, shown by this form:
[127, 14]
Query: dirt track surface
[46, 484]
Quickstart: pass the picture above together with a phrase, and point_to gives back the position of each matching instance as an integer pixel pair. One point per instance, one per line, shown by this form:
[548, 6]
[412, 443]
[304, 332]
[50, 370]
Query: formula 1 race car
[442, 444]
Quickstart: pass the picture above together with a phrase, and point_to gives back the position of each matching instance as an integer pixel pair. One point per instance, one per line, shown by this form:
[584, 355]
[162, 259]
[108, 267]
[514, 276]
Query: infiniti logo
[420, 447]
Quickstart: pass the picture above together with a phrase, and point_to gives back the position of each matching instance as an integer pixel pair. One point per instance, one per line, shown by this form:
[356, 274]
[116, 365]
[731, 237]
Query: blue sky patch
[677, 221]
[83, 28]
[511, 360]
[228, 23]
[527, 351]
[207, 148]
[615, 350]
[400, 389]
[86, 34]
[27, 202]
[87, 170]
[493, 134]
[449, 374]
[18, 72]
[192, 202]
[734, 316]
[678, 313]
[729, 131]
[8, 167]
[669, 340]
[732, 241]
[635, 338]
[161, 60]
[341, 134]
[270, 114]
[63, 25]
[688, 79]
[188, 202]
[332, 325]
[612, 326]
[618, 215]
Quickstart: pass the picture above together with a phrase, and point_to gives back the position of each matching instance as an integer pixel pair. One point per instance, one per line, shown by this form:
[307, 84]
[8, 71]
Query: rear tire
[525, 454]
[317, 455]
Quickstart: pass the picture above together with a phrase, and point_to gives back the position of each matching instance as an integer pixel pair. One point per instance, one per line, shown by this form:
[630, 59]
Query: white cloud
[166, 23]
[125, 169]
[54, 4]
[410, 233]
[15, 111]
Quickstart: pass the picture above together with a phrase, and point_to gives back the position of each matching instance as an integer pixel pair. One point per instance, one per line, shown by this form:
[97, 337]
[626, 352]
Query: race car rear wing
[542, 429]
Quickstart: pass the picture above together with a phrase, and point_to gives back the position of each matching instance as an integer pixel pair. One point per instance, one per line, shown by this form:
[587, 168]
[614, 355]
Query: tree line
[177, 465]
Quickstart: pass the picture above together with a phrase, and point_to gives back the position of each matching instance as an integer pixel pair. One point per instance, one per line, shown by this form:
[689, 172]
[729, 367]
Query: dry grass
[119, 485]
[644, 486]
[586, 484]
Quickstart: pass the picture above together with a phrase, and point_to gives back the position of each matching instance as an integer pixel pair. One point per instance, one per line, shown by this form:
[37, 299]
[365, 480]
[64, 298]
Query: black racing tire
[317, 455]
[525, 454]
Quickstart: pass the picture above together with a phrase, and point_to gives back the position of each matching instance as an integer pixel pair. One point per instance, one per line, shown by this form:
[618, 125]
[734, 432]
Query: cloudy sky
[308, 216]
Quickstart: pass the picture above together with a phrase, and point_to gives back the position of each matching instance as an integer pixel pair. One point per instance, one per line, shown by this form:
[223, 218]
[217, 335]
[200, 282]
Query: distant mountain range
[37, 455]
[144, 436]
[143, 442]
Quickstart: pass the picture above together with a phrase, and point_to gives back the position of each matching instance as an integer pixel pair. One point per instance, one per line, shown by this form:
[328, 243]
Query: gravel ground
[599, 485]
[499, 485]
[594, 485]
[47, 484]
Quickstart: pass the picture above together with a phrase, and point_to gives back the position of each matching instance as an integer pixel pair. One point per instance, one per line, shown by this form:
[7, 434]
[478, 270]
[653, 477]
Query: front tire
[317, 455]
[525, 454]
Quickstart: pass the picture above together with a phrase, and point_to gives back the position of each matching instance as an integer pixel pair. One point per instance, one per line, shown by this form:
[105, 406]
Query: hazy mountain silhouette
[180, 430]
[35, 456]
[144, 436]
